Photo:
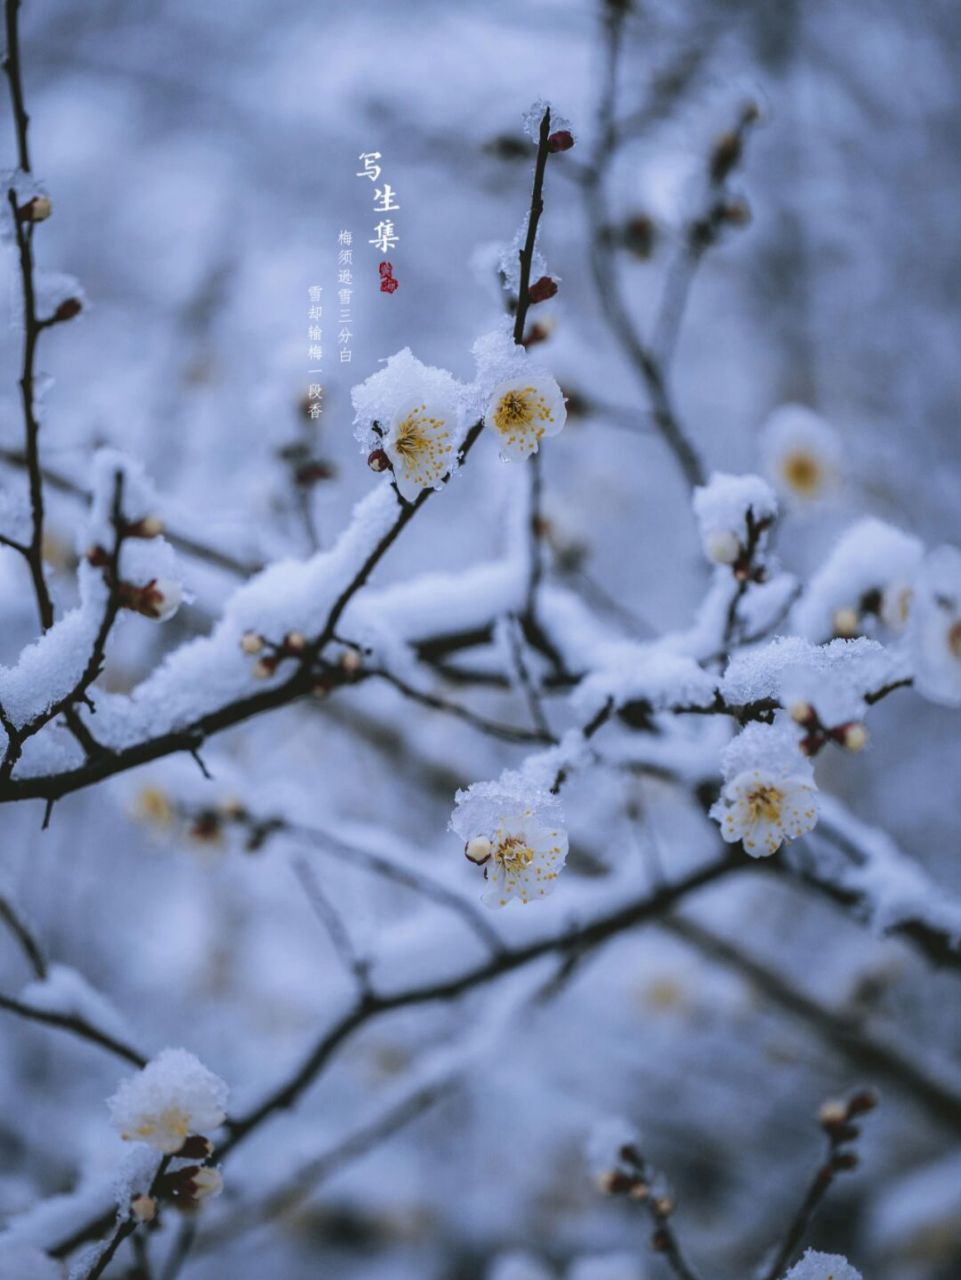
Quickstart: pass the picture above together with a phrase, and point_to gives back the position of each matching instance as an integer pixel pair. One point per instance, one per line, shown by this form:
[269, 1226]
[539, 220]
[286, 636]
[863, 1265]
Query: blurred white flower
[523, 410]
[935, 627]
[521, 843]
[420, 445]
[802, 454]
[172, 1098]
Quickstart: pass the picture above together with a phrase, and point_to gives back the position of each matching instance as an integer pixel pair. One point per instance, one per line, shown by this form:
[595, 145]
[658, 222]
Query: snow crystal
[868, 559]
[823, 1266]
[173, 1097]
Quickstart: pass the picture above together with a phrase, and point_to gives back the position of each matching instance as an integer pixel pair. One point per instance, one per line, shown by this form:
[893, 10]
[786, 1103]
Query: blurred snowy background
[201, 160]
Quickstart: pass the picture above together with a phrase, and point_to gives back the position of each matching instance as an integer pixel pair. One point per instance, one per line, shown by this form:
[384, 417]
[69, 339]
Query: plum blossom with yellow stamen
[420, 445]
[764, 810]
[522, 411]
[518, 840]
[171, 1099]
[769, 795]
[802, 454]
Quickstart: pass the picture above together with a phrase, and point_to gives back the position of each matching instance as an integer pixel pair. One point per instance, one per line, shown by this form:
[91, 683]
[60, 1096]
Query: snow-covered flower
[732, 513]
[519, 841]
[935, 627]
[523, 410]
[769, 796]
[414, 414]
[171, 1099]
[420, 445]
[802, 454]
[822, 1266]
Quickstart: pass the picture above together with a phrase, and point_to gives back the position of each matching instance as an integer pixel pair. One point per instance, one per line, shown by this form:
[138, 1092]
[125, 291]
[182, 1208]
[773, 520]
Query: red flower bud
[69, 308]
[562, 140]
[378, 461]
[36, 209]
[542, 289]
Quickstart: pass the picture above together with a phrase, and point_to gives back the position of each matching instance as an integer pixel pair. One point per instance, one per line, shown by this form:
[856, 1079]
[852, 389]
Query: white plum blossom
[726, 507]
[823, 1266]
[935, 627]
[769, 795]
[801, 453]
[171, 1099]
[518, 839]
[522, 411]
[414, 413]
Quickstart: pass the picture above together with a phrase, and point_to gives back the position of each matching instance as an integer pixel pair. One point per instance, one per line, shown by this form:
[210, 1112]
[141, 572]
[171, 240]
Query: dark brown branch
[77, 1026]
[11, 65]
[28, 943]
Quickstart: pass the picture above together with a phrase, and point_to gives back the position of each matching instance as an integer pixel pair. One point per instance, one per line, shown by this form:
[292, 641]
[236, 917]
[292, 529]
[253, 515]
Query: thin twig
[28, 943]
[75, 1025]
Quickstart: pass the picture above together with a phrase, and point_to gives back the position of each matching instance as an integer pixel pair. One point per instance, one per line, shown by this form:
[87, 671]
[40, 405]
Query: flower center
[513, 854]
[764, 804]
[802, 472]
[413, 436]
[520, 409]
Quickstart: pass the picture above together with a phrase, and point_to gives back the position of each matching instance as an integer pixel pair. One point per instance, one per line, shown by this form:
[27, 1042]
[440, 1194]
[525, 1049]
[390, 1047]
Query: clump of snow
[643, 672]
[65, 991]
[935, 627]
[172, 1098]
[790, 666]
[722, 507]
[823, 1266]
[846, 594]
[801, 454]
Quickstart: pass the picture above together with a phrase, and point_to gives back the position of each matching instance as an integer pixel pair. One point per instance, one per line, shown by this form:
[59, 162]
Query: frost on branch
[769, 795]
[801, 454]
[865, 581]
[516, 834]
[823, 1266]
[935, 628]
[415, 414]
[170, 1100]
[522, 402]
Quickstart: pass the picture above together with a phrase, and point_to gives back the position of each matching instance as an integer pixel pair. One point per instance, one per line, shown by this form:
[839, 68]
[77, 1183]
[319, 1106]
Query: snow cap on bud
[37, 209]
[722, 546]
[251, 643]
[378, 460]
[478, 850]
[542, 289]
[143, 1208]
[561, 140]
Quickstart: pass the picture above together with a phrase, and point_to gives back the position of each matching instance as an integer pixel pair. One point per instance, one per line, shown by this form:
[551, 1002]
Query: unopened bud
[378, 460]
[143, 1208]
[722, 546]
[664, 1206]
[833, 1112]
[196, 1147]
[853, 737]
[562, 140]
[158, 600]
[861, 1102]
[251, 643]
[477, 850]
[846, 622]
[148, 527]
[69, 308]
[350, 662]
[845, 1161]
[639, 1191]
[206, 1182]
[726, 154]
[803, 713]
[295, 641]
[37, 209]
[736, 212]
[542, 289]
[263, 668]
[614, 1183]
